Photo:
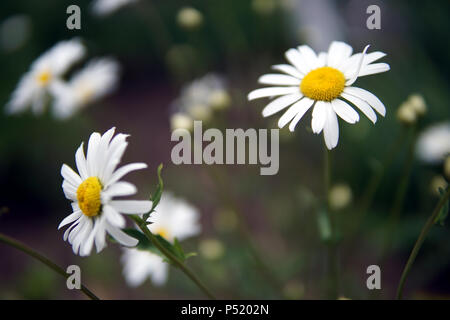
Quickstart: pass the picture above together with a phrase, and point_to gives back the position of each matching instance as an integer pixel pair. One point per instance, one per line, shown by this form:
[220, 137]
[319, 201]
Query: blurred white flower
[94, 81]
[44, 73]
[189, 18]
[433, 144]
[201, 97]
[106, 7]
[139, 264]
[174, 218]
[322, 81]
[95, 213]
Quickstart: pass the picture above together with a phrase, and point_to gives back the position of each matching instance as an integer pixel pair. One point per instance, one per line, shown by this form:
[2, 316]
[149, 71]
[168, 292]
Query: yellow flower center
[324, 84]
[44, 77]
[163, 232]
[88, 195]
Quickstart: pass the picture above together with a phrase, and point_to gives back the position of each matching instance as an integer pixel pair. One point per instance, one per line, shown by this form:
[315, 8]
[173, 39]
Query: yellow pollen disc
[324, 84]
[44, 77]
[163, 232]
[88, 195]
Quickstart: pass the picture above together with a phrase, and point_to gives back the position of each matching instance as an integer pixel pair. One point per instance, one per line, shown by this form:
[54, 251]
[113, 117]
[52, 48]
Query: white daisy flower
[201, 97]
[433, 144]
[173, 218]
[95, 213]
[323, 82]
[94, 81]
[140, 265]
[106, 7]
[45, 72]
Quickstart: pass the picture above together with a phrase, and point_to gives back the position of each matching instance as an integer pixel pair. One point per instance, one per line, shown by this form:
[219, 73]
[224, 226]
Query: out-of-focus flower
[433, 144]
[14, 32]
[181, 121]
[412, 109]
[438, 182]
[139, 264]
[189, 18]
[340, 196]
[211, 249]
[418, 104]
[447, 167]
[322, 81]
[106, 7]
[264, 7]
[201, 97]
[45, 72]
[173, 218]
[94, 81]
[95, 213]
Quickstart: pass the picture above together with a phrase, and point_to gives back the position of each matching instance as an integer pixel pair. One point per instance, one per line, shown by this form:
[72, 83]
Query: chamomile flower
[92, 189]
[97, 79]
[45, 72]
[106, 7]
[201, 97]
[322, 82]
[433, 144]
[174, 218]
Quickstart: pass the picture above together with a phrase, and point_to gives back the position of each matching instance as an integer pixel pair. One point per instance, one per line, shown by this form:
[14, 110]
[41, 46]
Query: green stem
[179, 264]
[423, 234]
[333, 258]
[24, 248]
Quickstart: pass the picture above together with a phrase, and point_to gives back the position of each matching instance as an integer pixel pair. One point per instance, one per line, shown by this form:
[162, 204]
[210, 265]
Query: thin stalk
[423, 234]
[179, 264]
[32, 253]
[333, 257]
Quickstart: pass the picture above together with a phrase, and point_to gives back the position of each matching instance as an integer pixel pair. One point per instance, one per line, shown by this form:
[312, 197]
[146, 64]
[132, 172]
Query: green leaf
[156, 197]
[146, 245]
[444, 211]
[324, 225]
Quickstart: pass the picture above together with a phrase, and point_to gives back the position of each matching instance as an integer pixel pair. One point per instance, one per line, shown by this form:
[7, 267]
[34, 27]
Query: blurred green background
[240, 40]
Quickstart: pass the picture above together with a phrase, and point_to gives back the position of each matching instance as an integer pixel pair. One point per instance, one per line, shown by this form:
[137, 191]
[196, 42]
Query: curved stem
[179, 264]
[423, 234]
[24, 248]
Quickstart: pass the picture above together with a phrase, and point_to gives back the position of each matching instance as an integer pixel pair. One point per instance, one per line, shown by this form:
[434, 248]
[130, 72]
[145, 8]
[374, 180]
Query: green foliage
[146, 245]
[157, 194]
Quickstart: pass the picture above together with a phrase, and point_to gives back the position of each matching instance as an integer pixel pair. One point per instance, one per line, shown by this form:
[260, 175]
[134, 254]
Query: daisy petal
[361, 105]
[271, 92]
[331, 127]
[70, 176]
[69, 191]
[280, 103]
[92, 159]
[337, 53]
[70, 218]
[131, 206]
[345, 111]
[119, 173]
[319, 117]
[309, 56]
[295, 58]
[288, 69]
[369, 97]
[374, 69]
[119, 189]
[113, 217]
[120, 236]
[279, 79]
[80, 160]
[306, 103]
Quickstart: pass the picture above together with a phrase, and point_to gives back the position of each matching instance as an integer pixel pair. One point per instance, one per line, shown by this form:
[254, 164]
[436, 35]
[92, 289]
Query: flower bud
[406, 114]
[438, 182]
[189, 18]
[220, 99]
[418, 104]
[340, 196]
[211, 249]
[181, 121]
